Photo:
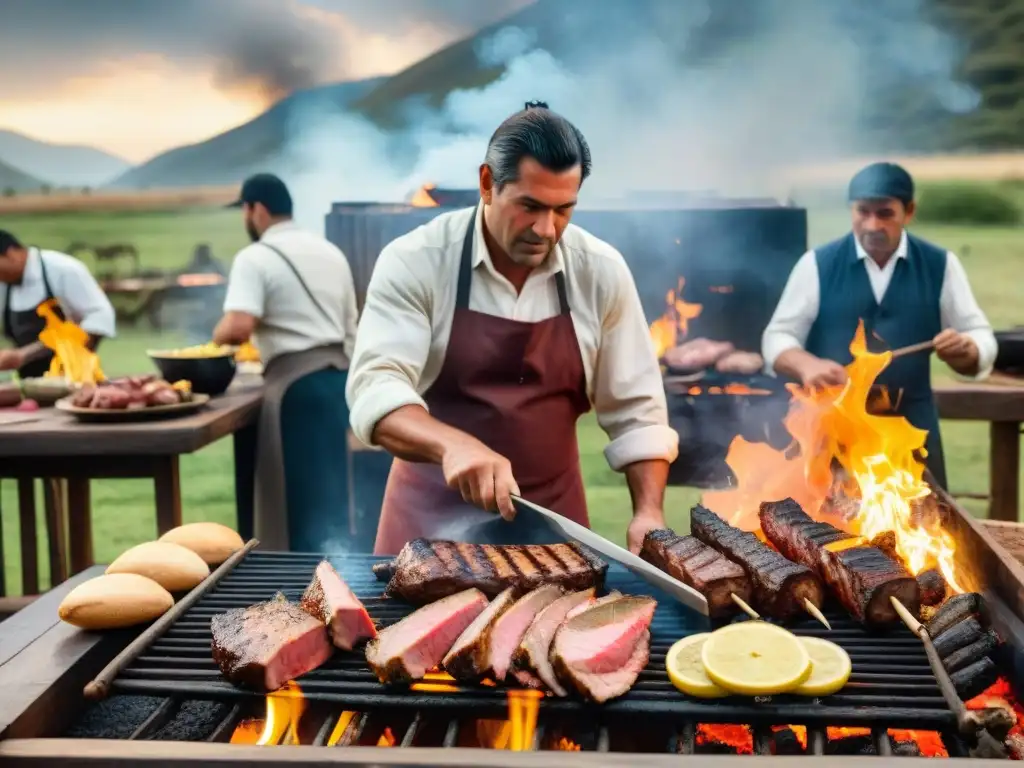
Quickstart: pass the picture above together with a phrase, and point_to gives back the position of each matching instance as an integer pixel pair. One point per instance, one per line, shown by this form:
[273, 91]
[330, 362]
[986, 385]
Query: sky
[136, 77]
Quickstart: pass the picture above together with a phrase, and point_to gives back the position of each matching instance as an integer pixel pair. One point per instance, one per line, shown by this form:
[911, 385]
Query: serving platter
[149, 413]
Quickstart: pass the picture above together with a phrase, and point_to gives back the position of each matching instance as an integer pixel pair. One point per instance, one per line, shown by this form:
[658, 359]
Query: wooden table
[58, 446]
[1002, 405]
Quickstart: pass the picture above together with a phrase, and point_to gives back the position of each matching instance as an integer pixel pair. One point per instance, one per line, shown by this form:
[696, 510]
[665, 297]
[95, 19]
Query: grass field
[123, 510]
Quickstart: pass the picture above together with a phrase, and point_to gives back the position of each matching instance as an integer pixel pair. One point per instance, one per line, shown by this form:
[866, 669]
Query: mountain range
[37, 163]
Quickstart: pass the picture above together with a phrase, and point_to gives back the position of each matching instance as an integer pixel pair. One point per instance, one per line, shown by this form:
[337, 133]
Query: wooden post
[1004, 469]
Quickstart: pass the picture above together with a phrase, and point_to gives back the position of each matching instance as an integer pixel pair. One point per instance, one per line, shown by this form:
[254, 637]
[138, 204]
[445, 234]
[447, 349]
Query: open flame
[281, 724]
[422, 198]
[72, 358]
[671, 328]
[879, 458]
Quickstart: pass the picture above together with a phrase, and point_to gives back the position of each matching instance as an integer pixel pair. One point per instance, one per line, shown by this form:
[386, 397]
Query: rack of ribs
[862, 577]
[780, 586]
[699, 566]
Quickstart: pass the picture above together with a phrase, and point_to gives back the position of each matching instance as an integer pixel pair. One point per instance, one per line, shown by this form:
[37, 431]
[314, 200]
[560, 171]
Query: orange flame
[422, 197]
[523, 706]
[281, 725]
[72, 358]
[669, 329]
[879, 455]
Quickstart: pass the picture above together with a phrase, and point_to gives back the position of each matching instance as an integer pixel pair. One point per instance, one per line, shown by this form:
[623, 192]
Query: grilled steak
[405, 651]
[697, 565]
[862, 577]
[428, 570]
[933, 586]
[329, 599]
[601, 651]
[779, 586]
[469, 658]
[265, 645]
[530, 662]
[511, 626]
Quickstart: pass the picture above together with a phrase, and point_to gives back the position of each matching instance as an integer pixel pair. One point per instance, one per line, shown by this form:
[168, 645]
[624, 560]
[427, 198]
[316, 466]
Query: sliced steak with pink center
[265, 645]
[601, 651]
[469, 659]
[329, 599]
[530, 661]
[613, 595]
[405, 651]
[512, 625]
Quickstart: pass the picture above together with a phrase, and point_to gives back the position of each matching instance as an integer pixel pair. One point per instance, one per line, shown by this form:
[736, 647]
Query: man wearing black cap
[905, 290]
[292, 292]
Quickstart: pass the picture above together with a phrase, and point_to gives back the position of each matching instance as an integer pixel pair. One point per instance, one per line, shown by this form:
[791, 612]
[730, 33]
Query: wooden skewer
[811, 609]
[911, 349]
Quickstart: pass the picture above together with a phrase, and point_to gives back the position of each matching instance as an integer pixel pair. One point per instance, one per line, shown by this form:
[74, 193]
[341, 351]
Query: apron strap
[302, 282]
[8, 331]
[466, 272]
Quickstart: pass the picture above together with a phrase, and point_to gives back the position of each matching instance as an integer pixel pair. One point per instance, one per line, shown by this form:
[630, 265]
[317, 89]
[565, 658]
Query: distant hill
[228, 157]
[59, 165]
[14, 181]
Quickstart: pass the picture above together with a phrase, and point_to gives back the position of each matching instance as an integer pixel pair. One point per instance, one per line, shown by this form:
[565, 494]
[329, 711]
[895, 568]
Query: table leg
[245, 479]
[168, 494]
[1004, 470]
[3, 572]
[29, 542]
[56, 536]
[80, 524]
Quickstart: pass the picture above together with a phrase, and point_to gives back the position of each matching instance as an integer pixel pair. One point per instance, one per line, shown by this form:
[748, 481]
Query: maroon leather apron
[517, 387]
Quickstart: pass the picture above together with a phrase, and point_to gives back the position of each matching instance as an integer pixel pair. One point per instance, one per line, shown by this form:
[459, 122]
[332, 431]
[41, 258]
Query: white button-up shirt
[798, 307]
[80, 296]
[407, 319]
[262, 284]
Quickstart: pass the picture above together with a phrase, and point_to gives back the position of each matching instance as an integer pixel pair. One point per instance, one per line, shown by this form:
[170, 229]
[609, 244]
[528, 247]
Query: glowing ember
[422, 198]
[72, 361]
[671, 328]
[737, 737]
[877, 454]
[387, 739]
[566, 745]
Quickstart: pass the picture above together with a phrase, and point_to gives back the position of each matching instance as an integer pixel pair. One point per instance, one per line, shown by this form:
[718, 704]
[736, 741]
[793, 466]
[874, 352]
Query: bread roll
[115, 600]
[172, 566]
[213, 542]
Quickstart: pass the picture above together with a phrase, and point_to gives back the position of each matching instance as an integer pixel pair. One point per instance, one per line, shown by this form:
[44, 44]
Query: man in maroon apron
[31, 277]
[491, 410]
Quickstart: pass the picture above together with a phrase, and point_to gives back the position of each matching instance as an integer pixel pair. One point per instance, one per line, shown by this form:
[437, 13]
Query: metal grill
[892, 686]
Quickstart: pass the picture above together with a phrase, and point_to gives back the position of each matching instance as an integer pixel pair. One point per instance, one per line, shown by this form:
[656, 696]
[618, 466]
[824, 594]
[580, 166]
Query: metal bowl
[210, 374]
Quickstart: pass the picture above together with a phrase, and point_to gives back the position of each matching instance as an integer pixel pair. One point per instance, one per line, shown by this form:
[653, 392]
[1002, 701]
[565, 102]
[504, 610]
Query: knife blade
[686, 595]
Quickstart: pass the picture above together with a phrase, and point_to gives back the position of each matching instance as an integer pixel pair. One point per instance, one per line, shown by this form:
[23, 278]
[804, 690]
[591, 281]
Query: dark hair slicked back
[536, 132]
[8, 241]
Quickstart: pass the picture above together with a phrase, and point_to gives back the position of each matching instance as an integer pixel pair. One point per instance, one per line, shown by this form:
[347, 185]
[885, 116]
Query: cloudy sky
[136, 77]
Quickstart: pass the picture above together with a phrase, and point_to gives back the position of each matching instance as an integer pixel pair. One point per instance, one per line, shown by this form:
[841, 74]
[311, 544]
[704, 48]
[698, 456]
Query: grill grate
[892, 686]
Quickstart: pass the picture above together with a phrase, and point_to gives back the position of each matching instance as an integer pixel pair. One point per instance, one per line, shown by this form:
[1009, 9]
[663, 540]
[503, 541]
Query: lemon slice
[830, 668]
[686, 670]
[755, 658]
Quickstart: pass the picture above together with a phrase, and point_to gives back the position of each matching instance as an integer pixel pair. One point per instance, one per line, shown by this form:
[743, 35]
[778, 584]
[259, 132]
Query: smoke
[699, 96]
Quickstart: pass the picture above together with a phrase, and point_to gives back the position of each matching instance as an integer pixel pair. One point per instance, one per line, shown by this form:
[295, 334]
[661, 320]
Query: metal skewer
[911, 349]
[811, 609]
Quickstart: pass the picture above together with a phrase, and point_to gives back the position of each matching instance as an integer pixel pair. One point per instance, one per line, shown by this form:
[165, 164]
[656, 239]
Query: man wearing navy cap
[905, 289]
[292, 292]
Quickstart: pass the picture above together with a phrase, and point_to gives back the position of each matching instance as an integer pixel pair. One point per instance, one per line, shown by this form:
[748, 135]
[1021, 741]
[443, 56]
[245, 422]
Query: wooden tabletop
[980, 401]
[56, 433]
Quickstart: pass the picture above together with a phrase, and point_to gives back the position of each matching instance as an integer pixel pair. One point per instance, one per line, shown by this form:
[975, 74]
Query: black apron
[23, 327]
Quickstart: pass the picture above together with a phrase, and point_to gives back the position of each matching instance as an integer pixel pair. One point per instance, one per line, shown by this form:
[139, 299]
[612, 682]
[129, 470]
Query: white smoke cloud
[796, 85]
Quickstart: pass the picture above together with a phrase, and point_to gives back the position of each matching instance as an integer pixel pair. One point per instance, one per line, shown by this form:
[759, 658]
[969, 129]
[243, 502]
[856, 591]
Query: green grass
[123, 510]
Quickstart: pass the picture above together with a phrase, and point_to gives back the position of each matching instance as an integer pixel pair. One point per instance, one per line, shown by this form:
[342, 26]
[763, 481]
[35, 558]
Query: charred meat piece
[511, 626]
[406, 651]
[975, 678]
[329, 599]
[428, 570]
[469, 659]
[530, 662]
[958, 636]
[983, 645]
[264, 646]
[955, 610]
[601, 651]
[779, 585]
[862, 577]
[932, 584]
[697, 565]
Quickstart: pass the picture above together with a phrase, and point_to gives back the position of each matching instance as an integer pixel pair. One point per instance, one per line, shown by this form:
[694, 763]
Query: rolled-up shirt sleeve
[86, 301]
[628, 393]
[795, 314]
[392, 343]
[247, 290]
[960, 311]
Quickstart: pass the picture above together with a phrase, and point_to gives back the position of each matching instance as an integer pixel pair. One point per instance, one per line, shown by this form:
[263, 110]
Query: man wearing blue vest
[906, 291]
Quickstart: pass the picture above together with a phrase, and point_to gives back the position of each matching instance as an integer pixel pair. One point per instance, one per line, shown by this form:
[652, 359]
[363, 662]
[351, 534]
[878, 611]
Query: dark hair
[539, 133]
[8, 241]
